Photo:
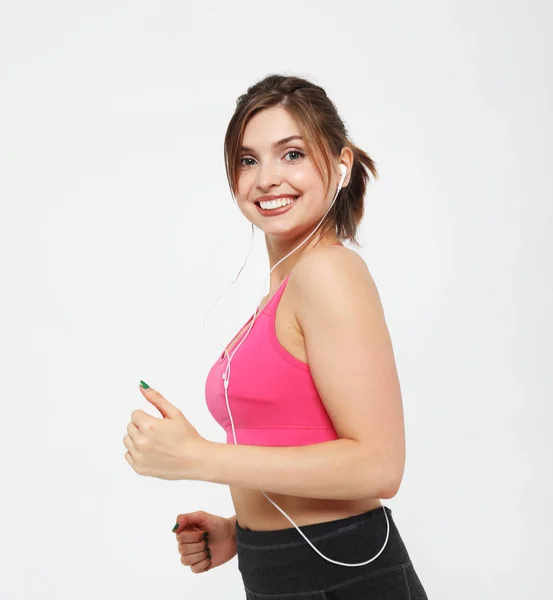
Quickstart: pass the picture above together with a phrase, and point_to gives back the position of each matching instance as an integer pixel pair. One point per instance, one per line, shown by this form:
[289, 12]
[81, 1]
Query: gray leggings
[281, 565]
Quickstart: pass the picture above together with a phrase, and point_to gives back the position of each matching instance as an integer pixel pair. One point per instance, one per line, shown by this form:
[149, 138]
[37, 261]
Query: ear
[347, 158]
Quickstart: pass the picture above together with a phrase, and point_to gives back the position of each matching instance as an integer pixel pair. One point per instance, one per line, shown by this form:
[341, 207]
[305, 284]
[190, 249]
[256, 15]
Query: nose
[268, 175]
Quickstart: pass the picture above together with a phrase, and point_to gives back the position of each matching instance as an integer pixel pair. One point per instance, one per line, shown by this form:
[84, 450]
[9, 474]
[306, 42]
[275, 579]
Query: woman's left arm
[351, 360]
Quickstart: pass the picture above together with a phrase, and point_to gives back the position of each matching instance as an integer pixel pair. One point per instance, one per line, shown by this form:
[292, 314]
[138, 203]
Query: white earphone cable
[226, 381]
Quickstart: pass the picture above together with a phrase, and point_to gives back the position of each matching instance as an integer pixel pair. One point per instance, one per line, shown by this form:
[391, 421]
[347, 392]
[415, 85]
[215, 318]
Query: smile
[276, 206]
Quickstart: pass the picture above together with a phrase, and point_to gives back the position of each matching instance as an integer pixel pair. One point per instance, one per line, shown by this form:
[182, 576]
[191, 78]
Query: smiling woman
[313, 413]
[287, 129]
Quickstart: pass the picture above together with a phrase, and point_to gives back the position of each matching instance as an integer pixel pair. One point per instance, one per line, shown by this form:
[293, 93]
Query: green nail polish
[144, 385]
[175, 527]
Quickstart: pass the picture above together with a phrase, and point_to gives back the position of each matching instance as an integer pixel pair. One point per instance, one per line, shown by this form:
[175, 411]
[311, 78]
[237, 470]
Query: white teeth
[272, 204]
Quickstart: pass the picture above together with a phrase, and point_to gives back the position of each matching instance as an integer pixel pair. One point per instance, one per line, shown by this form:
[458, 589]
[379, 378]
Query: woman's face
[273, 165]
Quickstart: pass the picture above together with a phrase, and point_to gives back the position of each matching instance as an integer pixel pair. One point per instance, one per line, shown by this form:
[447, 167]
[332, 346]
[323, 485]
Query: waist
[255, 512]
[281, 561]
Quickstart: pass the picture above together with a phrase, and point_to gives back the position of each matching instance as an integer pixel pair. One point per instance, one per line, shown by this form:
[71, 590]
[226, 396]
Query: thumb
[162, 404]
[195, 521]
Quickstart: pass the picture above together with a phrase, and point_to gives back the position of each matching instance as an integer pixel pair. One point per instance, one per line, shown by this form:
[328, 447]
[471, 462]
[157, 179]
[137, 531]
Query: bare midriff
[255, 512]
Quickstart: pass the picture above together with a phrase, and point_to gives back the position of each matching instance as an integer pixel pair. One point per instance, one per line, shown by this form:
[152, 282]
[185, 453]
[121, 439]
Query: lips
[276, 211]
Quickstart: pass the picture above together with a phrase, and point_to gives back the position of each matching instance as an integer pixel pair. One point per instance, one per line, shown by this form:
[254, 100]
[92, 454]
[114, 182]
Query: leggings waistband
[290, 537]
[282, 562]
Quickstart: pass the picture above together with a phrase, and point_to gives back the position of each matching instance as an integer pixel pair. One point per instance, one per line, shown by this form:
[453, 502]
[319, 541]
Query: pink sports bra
[272, 396]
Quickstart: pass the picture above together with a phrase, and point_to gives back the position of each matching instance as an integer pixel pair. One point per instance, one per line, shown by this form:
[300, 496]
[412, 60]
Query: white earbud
[344, 171]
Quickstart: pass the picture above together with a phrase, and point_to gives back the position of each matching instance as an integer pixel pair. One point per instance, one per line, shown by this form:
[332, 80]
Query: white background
[119, 232]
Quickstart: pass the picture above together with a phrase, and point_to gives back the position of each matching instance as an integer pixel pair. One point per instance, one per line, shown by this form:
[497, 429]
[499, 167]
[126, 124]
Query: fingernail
[144, 385]
[175, 527]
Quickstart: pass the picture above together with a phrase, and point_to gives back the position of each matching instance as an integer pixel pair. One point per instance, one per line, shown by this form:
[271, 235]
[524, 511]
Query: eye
[246, 158]
[294, 152]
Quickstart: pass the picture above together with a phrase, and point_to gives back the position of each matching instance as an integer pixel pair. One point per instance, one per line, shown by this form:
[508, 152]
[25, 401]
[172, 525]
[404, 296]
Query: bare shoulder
[333, 274]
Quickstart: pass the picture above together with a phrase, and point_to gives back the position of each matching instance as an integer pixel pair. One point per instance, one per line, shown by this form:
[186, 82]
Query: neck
[277, 248]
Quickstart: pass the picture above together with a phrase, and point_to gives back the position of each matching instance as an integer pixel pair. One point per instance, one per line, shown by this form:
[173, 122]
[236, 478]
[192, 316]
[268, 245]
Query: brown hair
[321, 127]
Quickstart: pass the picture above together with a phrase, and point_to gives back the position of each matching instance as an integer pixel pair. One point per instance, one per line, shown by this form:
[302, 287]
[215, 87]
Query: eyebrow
[276, 144]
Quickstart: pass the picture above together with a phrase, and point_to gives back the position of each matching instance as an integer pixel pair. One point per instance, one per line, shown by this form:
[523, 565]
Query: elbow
[384, 492]
[389, 493]
[393, 479]
[387, 475]
[390, 490]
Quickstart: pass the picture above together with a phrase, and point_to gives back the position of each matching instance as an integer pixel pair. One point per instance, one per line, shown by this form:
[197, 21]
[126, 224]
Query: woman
[317, 417]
